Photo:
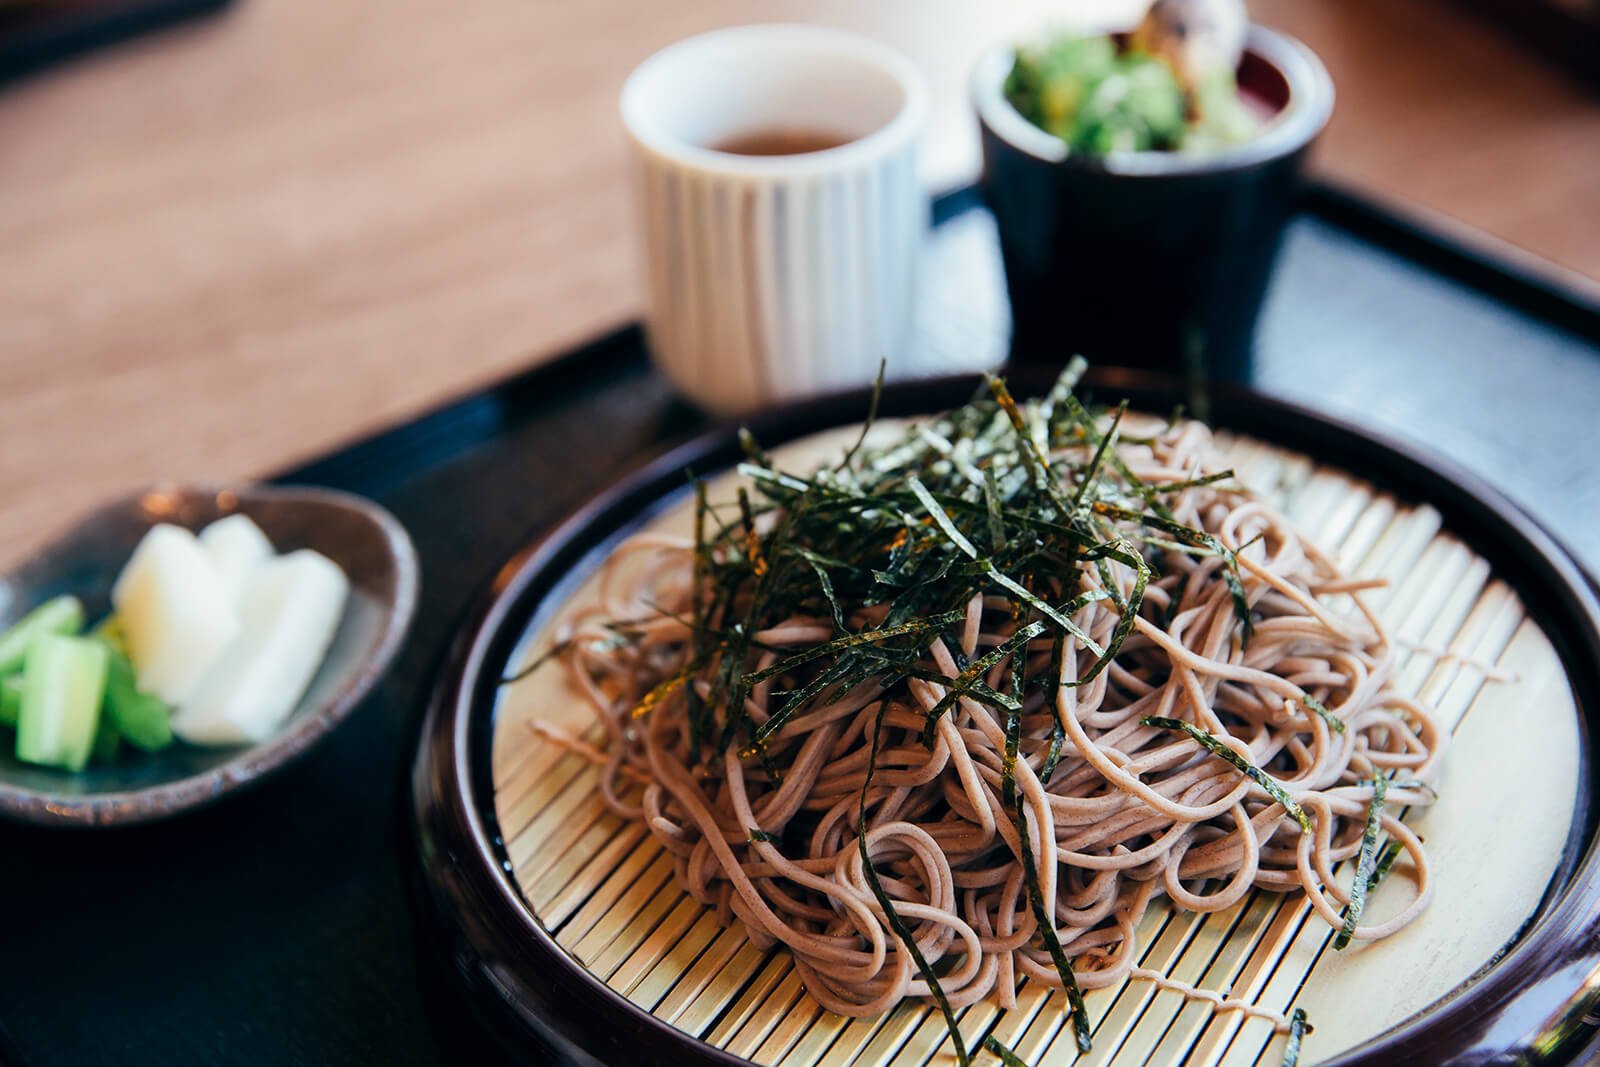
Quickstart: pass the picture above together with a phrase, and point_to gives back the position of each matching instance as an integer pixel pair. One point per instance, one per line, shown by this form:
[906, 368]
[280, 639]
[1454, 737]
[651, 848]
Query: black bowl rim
[1528, 1002]
[253, 764]
[1311, 98]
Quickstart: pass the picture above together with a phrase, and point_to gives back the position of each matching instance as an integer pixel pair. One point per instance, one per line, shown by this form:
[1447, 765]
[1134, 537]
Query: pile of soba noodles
[954, 711]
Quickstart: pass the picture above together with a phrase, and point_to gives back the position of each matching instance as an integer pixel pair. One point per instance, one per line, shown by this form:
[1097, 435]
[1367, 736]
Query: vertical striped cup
[776, 276]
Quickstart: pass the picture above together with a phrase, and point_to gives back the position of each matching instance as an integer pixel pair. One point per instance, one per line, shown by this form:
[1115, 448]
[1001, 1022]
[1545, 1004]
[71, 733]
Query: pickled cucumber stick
[287, 621]
[10, 700]
[60, 615]
[62, 684]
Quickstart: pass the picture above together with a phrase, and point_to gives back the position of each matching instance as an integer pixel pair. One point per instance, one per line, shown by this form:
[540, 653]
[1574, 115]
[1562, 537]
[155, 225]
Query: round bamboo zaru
[1462, 644]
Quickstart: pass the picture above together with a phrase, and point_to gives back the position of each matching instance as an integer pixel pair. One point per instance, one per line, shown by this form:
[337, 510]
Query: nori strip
[1297, 1032]
[1366, 863]
[975, 671]
[1030, 876]
[1006, 1056]
[1207, 741]
[1058, 732]
[896, 924]
[1335, 723]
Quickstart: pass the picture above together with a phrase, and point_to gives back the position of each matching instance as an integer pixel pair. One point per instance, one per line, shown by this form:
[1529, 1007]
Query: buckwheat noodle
[1130, 813]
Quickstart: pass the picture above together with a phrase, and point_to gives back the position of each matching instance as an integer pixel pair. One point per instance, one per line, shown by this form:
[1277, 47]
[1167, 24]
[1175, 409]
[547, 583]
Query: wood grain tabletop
[246, 241]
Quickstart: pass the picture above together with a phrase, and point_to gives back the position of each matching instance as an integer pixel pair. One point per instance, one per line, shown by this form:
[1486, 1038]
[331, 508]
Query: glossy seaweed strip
[1058, 732]
[1212, 744]
[1083, 419]
[557, 649]
[1130, 612]
[1107, 443]
[942, 519]
[752, 539]
[991, 502]
[871, 419]
[862, 637]
[825, 583]
[1391, 852]
[833, 675]
[1184, 535]
[1081, 1029]
[1008, 766]
[1006, 1057]
[697, 709]
[940, 516]
[1335, 723]
[1193, 483]
[962, 683]
[1065, 383]
[752, 447]
[1108, 582]
[1297, 1034]
[1059, 617]
[733, 681]
[896, 924]
[1366, 863]
[1036, 461]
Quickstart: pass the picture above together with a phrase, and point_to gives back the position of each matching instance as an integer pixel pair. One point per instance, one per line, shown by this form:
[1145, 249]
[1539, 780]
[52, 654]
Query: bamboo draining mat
[606, 892]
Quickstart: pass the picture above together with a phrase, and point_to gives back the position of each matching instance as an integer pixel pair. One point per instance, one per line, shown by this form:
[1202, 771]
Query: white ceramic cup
[775, 277]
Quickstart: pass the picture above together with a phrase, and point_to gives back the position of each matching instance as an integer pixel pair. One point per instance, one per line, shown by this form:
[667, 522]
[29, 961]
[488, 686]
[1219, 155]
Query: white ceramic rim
[1307, 111]
[884, 141]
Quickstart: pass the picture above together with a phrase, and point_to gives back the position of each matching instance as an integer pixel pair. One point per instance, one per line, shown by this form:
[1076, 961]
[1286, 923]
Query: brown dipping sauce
[780, 142]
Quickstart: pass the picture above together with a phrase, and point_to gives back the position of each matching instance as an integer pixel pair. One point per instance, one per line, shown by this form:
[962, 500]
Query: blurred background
[247, 238]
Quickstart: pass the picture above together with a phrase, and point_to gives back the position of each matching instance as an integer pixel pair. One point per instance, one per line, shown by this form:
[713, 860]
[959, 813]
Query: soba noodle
[1130, 812]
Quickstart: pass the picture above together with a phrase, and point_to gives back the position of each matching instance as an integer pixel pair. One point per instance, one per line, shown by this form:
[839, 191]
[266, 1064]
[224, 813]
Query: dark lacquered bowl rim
[1302, 118]
[1529, 1002]
[253, 764]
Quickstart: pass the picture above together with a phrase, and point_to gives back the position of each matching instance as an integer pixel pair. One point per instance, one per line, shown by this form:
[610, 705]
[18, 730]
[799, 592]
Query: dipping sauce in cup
[782, 215]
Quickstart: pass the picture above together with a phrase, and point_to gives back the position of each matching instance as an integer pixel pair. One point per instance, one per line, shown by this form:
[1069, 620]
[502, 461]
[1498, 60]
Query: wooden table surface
[246, 241]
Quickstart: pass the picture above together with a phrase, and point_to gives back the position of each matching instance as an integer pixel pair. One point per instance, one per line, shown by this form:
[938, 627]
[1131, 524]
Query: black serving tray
[537, 1002]
[275, 928]
[34, 36]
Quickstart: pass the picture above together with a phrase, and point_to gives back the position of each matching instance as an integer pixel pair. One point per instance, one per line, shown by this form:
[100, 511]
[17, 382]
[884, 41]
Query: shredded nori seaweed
[1366, 863]
[1215, 746]
[1297, 1032]
[979, 501]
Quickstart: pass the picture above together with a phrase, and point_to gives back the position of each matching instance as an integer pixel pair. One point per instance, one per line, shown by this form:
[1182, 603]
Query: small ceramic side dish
[1153, 259]
[365, 541]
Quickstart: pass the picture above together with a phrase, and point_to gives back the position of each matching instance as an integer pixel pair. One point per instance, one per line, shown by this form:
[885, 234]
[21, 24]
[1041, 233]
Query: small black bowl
[367, 543]
[1156, 260]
